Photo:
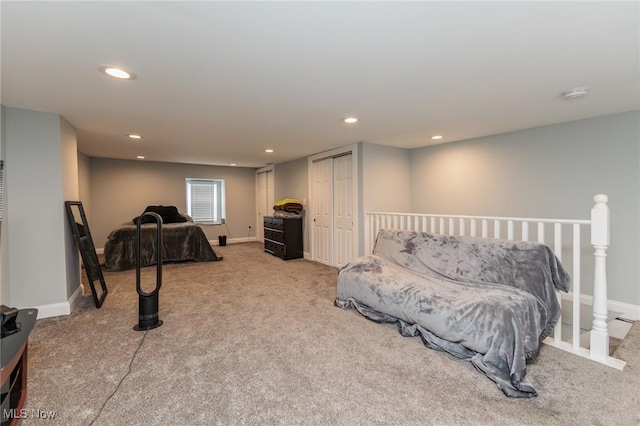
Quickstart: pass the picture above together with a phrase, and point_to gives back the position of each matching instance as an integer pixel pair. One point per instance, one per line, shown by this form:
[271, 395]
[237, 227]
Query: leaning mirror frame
[84, 242]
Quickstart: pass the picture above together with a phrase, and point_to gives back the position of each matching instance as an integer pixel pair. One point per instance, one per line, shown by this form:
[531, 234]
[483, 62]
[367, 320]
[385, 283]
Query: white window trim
[218, 211]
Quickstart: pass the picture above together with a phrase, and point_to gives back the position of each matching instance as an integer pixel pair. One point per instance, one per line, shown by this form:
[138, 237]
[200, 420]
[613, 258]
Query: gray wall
[385, 181]
[42, 268]
[69, 164]
[552, 171]
[292, 181]
[121, 189]
[84, 183]
[386, 178]
[5, 293]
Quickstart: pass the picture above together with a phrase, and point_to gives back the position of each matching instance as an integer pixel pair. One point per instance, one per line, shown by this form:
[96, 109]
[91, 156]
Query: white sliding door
[264, 199]
[343, 202]
[333, 207]
[322, 211]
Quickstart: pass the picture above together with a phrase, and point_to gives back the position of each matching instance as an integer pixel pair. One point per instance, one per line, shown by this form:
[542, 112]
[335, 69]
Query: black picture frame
[84, 242]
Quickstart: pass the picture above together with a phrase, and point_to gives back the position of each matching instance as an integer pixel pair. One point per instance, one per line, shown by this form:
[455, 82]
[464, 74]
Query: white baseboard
[629, 311]
[59, 309]
[307, 255]
[53, 310]
[75, 297]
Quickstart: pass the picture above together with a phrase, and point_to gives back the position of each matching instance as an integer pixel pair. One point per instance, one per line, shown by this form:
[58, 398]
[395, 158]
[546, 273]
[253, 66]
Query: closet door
[264, 200]
[322, 210]
[270, 193]
[343, 210]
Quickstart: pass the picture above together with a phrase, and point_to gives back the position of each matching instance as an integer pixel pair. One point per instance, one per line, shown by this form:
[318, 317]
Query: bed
[488, 301]
[182, 240]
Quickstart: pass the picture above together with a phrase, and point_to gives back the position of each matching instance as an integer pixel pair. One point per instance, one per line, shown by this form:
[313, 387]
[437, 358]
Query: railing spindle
[557, 247]
[510, 230]
[599, 228]
[575, 287]
[541, 232]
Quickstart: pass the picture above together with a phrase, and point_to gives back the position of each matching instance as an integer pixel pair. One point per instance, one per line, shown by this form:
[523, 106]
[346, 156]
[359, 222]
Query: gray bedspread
[488, 301]
[180, 242]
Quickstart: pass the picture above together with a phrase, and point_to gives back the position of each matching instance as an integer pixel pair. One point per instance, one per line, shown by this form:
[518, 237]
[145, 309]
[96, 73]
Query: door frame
[352, 149]
[269, 168]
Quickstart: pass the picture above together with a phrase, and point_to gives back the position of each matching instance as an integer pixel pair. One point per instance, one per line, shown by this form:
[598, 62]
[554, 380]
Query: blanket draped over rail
[488, 301]
[180, 242]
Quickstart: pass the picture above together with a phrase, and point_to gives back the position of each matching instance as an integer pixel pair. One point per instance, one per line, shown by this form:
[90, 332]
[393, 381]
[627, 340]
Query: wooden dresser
[283, 237]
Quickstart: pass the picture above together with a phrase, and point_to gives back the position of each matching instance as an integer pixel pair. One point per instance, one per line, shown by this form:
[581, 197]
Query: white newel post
[600, 242]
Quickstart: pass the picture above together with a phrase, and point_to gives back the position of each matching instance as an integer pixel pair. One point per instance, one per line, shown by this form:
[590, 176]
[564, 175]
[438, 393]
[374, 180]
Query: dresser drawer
[274, 248]
[277, 223]
[283, 237]
[272, 234]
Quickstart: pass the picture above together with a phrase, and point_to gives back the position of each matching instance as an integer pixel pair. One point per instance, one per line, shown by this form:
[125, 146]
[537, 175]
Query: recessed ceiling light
[140, 157]
[268, 150]
[233, 164]
[576, 92]
[135, 136]
[350, 120]
[436, 137]
[117, 72]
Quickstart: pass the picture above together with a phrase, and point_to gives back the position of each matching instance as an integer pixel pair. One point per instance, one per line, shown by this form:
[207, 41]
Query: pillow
[169, 214]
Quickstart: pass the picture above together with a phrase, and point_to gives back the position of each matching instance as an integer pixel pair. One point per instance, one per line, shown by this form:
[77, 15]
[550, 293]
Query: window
[205, 200]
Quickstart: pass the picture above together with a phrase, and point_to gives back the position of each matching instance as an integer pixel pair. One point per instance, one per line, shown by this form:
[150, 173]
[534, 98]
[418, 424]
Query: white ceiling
[219, 82]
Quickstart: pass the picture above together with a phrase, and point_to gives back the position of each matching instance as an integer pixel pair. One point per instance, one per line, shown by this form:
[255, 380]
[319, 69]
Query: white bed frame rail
[519, 229]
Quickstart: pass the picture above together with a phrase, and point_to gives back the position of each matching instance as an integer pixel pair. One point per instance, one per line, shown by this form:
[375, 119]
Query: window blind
[205, 200]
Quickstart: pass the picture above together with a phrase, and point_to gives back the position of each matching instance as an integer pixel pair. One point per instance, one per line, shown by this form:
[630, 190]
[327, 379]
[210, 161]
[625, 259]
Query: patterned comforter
[491, 302]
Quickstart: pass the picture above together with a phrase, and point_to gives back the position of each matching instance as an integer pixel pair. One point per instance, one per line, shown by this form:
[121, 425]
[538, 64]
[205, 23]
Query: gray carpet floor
[256, 340]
